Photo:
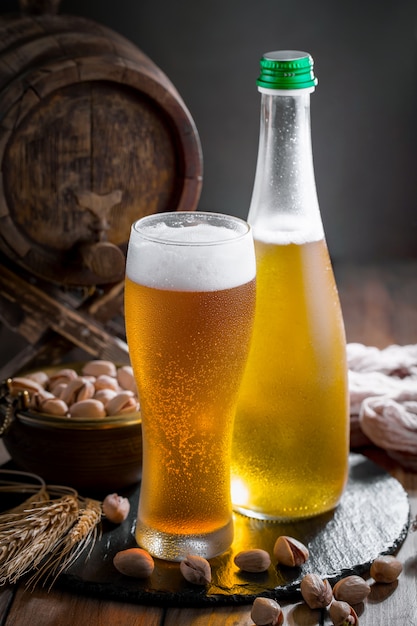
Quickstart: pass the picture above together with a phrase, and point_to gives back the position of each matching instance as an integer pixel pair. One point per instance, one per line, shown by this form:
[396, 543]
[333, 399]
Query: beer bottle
[291, 437]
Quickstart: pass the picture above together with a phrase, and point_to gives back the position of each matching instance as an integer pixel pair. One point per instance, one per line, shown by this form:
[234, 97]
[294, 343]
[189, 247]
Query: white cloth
[383, 399]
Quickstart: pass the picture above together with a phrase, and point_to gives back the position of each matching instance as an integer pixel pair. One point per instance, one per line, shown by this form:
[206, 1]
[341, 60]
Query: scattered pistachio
[385, 569]
[134, 562]
[116, 508]
[289, 551]
[352, 589]
[266, 612]
[342, 614]
[196, 570]
[316, 592]
[255, 560]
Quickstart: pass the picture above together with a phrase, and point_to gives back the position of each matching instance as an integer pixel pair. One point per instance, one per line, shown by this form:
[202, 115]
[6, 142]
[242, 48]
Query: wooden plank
[379, 302]
[6, 597]
[295, 614]
[58, 608]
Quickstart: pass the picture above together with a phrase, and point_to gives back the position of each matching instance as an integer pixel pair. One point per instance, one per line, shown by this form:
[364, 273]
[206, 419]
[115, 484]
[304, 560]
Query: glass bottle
[291, 437]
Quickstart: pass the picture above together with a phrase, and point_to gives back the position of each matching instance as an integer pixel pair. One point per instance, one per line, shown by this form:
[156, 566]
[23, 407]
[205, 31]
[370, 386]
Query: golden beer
[290, 449]
[188, 346]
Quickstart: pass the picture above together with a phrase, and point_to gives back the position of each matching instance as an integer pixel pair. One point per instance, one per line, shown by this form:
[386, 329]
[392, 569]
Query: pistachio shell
[40, 377]
[21, 383]
[76, 390]
[352, 589]
[196, 570]
[61, 376]
[104, 395]
[134, 562]
[116, 508]
[316, 592]
[266, 612]
[385, 569]
[98, 368]
[106, 382]
[289, 551]
[123, 402]
[54, 406]
[342, 614]
[126, 379]
[255, 560]
[87, 408]
[37, 399]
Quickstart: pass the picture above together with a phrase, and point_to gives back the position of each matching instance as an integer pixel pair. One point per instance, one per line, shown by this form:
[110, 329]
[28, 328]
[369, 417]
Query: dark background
[364, 111]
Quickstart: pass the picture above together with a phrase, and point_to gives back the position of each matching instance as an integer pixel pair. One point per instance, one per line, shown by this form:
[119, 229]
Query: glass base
[175, 547]
[284, 518]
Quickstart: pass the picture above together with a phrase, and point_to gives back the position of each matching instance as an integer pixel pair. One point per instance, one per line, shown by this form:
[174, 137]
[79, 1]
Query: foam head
[191, 252]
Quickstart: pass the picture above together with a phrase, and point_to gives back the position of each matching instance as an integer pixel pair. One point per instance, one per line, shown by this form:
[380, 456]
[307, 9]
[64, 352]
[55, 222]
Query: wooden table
[380, 308]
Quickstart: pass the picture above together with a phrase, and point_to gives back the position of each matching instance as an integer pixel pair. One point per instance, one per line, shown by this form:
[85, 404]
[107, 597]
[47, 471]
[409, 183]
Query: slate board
[372, 518]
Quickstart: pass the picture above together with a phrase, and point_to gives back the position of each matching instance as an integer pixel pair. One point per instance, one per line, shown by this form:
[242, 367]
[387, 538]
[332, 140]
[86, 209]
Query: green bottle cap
[287, 69]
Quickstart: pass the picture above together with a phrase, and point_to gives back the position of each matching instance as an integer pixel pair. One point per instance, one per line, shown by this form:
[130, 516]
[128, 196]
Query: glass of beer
[189, 307]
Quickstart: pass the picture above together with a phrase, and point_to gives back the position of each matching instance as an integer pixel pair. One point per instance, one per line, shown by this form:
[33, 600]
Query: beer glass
[189, 306]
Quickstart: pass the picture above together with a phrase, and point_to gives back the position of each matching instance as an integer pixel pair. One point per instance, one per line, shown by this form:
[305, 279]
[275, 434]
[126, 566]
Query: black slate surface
[372, 518]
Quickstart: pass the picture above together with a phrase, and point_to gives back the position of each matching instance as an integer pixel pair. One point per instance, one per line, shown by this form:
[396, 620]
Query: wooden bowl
[91, 455]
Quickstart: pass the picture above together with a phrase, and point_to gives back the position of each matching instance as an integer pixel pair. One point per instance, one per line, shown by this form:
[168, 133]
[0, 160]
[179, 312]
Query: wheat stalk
[82, 534]
[47, 532]
[28, 535]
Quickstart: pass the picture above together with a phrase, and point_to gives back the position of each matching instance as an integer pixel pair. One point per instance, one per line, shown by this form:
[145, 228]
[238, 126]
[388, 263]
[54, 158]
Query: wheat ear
[27, 536]
[83, 534]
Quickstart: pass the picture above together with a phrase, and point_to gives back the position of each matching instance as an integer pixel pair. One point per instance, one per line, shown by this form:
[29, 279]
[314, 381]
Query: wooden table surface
[380, 308]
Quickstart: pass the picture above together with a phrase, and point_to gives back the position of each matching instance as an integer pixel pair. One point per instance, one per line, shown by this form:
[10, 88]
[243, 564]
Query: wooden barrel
[93, 135]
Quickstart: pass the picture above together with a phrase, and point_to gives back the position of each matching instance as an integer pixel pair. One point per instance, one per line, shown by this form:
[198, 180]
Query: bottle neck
[284, 206]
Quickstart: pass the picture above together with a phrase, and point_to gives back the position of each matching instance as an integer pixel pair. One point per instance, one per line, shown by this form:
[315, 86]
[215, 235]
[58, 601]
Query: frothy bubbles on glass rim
[191, 252]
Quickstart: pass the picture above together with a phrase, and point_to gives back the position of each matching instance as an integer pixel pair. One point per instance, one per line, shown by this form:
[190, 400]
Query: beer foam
[286, 229]
[180, 262]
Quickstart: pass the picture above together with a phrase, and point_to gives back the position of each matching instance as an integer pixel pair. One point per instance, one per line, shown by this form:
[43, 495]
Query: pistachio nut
[352, 589]
[289, 551]
[76, 390]
[126, 379]
[104, 395]
[266, 612]
[40, 377]
[106, 382]
[134, 562]
[21, 383]
[196, 570]
[342, 614]
[54, 406]
[116, 508]
[316, 592]
[61, 376]
[87, 408]
[123, 402]
[98, 367]
[385, 569]
[254, 560]
[38, 398]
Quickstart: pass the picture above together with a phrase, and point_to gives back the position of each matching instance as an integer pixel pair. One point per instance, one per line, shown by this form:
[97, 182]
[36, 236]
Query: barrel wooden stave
[83, 112]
